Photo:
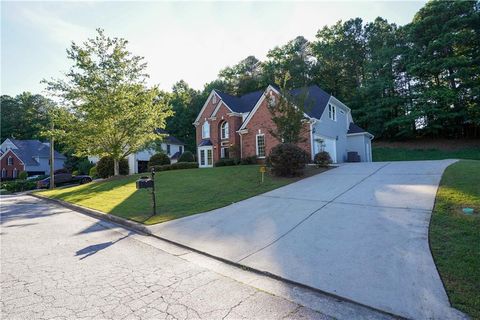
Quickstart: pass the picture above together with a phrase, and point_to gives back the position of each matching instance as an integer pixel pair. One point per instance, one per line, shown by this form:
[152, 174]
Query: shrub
[158, 159]
[249, 160]
[93, 172]
[84, 166]
[74, 173]
[18, 185]
[287, 160]
[176, 166]
[23, 175]
[187, 156]
[322, 159]
[105, 167]
[225, 162]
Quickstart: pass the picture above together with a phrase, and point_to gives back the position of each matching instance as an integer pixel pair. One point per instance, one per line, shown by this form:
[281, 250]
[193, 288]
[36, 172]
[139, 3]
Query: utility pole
[52, 160]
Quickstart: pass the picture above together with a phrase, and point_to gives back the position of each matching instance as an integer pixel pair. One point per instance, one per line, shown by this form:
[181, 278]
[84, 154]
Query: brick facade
[6, 169]
[261, 123]
[223, 114]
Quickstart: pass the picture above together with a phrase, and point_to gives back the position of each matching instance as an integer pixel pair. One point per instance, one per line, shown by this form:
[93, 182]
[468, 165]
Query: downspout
[241, 146]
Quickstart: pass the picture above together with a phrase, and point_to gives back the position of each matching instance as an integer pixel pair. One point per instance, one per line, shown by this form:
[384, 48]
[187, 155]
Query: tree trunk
[116, 167]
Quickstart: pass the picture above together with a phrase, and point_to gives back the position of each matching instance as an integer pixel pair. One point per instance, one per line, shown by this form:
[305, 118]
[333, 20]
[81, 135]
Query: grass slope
[179, 193]
[405, 154]
[455, 237]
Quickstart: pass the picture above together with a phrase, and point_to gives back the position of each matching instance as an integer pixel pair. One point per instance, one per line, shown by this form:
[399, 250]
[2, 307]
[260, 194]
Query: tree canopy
[113, 112]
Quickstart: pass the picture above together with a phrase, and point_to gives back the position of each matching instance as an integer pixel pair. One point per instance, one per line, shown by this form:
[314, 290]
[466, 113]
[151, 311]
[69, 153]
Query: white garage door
[328, 144]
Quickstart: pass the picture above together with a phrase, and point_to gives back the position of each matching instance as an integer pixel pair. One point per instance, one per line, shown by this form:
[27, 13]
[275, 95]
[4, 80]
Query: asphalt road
[56, 263]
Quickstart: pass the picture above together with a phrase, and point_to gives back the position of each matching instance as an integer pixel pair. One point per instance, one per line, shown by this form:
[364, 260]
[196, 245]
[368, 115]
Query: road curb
[135, 226]
[98, 214]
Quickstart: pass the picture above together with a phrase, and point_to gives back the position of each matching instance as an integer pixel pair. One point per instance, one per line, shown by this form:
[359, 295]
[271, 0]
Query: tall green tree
[114, 112]
[25, 115]
[444, 61]
[245, 76]
[293, 58]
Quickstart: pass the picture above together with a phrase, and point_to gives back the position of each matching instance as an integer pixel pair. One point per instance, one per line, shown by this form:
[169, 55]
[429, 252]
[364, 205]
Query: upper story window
[332, 112]
[10, 161]
[206, 130]
[224, 130]
[261, 145]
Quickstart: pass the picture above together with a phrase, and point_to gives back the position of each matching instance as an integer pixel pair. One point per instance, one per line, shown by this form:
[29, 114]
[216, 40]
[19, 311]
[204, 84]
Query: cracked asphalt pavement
[60, 264]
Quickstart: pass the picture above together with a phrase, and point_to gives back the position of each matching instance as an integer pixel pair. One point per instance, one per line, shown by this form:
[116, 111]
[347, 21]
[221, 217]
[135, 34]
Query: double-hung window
[168, 149]
[261, 145]
[10, 161]
[332, 112]
[206, 130]
[224, 130]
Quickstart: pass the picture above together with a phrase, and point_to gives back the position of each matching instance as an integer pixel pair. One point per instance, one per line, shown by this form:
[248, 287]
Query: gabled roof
[353, 128]
[169, 139]
[30, 149]
[2, 154]
[243, 103]
[205, 142]
[316, 100]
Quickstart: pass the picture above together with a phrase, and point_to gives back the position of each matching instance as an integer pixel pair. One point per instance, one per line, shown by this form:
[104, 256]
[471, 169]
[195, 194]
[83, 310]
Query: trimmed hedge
[249, 160]
[18, 185]
[23, 175]
[287, 160]
[187, 156]
[176, 166]
[158, 159]
[225, 162]
[105, 167]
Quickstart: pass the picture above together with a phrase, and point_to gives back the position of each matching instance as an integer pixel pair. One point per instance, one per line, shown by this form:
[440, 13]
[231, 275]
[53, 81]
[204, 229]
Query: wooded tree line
[420, 79]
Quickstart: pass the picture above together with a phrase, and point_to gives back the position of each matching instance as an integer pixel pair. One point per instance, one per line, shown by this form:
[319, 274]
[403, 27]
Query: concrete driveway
[359, 231]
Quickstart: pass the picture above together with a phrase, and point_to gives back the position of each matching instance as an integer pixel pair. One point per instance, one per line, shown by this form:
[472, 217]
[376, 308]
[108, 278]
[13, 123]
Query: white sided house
[138, 162]
[245, 122]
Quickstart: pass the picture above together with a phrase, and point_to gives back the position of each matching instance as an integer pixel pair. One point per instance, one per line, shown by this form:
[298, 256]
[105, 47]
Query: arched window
[4, 173]
[10, 161]
[224, 130]
[15, 172]
[206, 130]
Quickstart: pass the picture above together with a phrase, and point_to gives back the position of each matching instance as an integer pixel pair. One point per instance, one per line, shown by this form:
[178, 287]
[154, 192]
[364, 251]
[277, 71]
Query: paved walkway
[359, 231]
[59, 264]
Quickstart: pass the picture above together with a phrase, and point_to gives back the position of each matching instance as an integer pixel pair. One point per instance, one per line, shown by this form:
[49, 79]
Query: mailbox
[144, 183]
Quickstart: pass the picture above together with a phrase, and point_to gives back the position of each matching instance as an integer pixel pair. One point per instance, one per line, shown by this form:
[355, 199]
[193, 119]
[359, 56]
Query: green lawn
[455, 237]
[404, 154]
[179, 193]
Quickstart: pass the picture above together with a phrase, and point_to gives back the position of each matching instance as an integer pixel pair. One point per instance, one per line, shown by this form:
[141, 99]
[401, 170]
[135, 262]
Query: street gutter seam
[134, 226]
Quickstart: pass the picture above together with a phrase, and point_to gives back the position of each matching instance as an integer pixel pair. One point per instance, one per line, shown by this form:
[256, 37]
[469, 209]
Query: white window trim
[204, 136]
[226, 134]
[256, 145]
[332, 110]
[10, 161]
[15, 173]
[4, 173]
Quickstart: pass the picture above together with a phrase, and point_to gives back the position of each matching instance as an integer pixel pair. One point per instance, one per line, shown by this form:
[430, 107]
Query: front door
[205, 157]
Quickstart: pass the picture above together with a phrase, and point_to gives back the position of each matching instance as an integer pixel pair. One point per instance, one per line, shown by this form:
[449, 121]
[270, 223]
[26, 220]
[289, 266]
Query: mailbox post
[153, 192]
[145, 183]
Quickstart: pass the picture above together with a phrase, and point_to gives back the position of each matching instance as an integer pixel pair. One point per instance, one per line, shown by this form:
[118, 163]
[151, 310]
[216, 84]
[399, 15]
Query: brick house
[228, 124]
[10, 165]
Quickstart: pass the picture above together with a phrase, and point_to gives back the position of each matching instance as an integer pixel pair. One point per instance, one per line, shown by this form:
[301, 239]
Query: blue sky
[192, 41]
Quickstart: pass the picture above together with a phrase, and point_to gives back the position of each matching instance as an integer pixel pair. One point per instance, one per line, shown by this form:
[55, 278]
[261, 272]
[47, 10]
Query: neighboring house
[138, 162]
[34, 155]
[245, 122]
[10, 165]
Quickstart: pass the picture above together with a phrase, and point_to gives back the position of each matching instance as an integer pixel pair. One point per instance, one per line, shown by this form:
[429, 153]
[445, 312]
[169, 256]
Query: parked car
[64, 178]
[35, 177]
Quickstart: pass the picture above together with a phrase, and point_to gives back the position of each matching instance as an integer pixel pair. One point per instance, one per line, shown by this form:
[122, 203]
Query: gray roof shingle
[169, 139]
[353, 128]
[316, 100]
[29, 149]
